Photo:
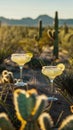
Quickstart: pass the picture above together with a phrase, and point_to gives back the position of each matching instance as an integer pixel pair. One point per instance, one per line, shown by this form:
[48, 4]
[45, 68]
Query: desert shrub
[64, 84]
[32, 32]
[9, 38]
[44, 40]
[66, 29]
[28, 45]
[6, 50]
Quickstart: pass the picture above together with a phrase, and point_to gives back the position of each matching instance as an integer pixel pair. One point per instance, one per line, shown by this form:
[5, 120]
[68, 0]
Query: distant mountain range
[46, 20]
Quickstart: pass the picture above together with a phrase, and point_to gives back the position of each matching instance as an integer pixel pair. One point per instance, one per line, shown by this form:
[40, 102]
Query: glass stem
[52, 89]
[21, 67]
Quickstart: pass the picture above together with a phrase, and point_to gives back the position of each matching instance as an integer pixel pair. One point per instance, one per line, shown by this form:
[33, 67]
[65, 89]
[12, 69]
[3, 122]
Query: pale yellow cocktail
[52, 72]
[21, 59]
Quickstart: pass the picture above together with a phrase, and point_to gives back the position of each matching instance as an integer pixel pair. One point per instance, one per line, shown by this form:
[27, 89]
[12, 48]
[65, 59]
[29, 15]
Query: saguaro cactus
[0, 23]
[40, 29]
[55, 50]
[66, 29]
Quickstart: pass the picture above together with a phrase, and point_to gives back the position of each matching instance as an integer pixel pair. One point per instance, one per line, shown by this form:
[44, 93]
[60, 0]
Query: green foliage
[28, 45]
[17, 38]
[5, 123]
[71, 61]
[29, 106]
[66, 29]
[32, 126]
[25, 105]
[67, 123]
[45, 121]
[44, 41]
[9, 40]
[6, 50]
[66, 39]
[64, 84]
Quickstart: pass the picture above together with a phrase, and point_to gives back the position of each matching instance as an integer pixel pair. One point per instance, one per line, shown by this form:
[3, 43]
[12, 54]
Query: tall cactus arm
[67, 124]
[39, 106]
[45, 121]
[5, 123]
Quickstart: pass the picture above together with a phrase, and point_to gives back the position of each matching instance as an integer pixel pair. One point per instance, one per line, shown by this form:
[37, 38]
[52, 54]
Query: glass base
[20, 84]
[52, 99]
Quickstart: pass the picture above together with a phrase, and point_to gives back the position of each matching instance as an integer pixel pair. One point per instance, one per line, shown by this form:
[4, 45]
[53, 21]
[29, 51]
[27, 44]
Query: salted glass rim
[51, 66]
[20, 54]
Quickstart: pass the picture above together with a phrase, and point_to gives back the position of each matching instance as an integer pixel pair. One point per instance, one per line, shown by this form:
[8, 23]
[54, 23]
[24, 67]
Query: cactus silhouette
[0, 23]
[40, 29]
[66, 29]
[55, 50]
[53, 35]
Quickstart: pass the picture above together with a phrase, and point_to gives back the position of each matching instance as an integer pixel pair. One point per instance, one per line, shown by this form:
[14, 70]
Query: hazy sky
[33, 8]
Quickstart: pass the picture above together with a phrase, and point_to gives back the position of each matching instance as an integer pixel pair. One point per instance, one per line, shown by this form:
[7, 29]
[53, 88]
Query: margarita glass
[52, 72]
[21, 59]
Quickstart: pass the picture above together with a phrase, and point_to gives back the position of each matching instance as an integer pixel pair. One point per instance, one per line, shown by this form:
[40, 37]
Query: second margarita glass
[52, 72]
